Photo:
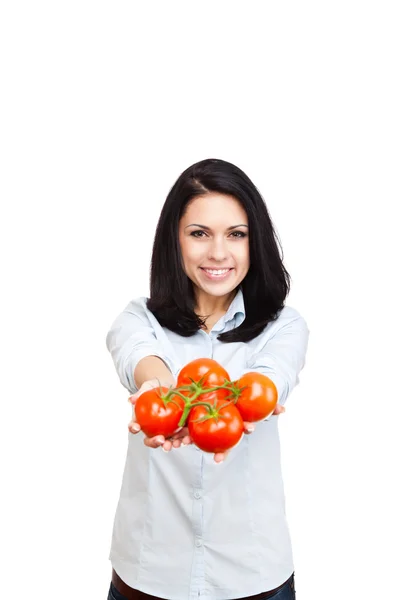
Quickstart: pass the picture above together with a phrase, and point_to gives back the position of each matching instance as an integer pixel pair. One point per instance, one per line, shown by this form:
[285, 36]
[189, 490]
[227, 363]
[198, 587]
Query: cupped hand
[179, 437]
[248, 428]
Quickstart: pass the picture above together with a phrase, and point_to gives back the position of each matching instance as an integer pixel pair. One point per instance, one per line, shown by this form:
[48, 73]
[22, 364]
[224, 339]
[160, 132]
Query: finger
[186, 440]
[248, 427]
[147, 385]
[219, 457]
[279, 409]
[134, 427]
[176, 443]
[167, 445]
[154, 442]
[177, 435]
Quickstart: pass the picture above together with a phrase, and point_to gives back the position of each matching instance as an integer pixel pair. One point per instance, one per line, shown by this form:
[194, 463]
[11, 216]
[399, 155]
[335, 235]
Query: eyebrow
[209, 228]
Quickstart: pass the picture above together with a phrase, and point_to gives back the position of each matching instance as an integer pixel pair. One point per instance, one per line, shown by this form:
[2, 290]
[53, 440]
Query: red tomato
[157, 416]
[258, 398]
[221, 431]
[208, 372]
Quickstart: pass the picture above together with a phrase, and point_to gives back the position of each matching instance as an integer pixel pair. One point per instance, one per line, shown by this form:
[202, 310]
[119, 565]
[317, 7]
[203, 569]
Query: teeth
[217, 272]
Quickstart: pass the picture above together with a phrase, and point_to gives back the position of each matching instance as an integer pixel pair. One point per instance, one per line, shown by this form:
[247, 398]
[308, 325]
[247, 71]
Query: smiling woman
[217, 220]
[215, 253]
[217, 293]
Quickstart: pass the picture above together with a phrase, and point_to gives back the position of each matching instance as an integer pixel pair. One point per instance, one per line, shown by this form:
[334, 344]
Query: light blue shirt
[185, 527]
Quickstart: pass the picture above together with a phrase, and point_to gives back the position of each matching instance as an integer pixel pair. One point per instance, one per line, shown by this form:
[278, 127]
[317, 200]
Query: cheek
[243, 255]
[191, 253]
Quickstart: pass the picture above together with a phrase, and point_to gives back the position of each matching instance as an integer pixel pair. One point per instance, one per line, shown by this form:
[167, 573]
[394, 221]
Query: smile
[216, 273]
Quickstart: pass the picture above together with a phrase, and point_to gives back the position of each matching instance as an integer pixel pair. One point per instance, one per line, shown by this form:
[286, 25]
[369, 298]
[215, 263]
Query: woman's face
[214, 241]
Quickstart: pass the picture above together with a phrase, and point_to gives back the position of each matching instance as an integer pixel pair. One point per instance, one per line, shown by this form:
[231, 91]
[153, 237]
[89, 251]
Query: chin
[221, 290]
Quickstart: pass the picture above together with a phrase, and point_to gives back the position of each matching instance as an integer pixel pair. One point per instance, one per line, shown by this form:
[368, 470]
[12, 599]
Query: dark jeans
[286, 593]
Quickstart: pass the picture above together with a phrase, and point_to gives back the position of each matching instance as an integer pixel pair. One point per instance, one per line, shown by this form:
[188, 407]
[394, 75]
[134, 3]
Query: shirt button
[197, 495]
[199, 543]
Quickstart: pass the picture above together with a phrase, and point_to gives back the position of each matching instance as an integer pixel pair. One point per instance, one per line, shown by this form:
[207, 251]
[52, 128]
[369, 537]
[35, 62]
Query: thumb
[132, 399]
[147, 385]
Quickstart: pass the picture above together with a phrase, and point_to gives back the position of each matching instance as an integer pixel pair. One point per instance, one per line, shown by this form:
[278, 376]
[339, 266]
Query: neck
[213, 305]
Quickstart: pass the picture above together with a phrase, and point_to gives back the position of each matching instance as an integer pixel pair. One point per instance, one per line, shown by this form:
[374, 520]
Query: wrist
[152, 368]
[164, 382]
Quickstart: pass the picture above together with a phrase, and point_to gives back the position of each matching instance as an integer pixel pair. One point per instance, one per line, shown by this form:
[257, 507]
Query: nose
[218, 250]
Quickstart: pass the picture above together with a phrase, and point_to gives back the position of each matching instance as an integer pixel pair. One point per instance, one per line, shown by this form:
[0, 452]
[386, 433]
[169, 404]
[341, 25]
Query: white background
[103, 105]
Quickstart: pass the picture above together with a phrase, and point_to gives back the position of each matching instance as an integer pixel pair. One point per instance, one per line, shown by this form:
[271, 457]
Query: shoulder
[288, 314]
[288, 321]
[137, 305]
[135, 311]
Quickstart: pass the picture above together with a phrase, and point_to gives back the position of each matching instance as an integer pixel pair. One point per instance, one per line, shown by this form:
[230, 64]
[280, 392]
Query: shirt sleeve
[282, 356]
[131, 338]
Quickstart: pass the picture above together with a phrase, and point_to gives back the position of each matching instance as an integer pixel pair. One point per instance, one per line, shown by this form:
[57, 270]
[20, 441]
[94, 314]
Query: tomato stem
[168, 400]
[185, 414]
[198, 390]
[175, 392]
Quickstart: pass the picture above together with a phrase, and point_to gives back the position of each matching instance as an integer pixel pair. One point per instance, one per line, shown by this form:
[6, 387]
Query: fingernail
[183, 444]
[135, 427]
[250, 428]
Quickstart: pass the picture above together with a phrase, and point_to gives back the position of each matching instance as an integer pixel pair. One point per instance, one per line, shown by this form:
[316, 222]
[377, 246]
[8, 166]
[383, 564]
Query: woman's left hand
[248, 428]
[180, 437]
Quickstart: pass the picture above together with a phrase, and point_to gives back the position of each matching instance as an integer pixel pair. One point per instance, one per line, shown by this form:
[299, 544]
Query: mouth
[216, 274]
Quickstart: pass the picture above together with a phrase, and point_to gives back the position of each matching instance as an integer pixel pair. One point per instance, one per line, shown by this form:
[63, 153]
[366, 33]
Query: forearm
[152, 367]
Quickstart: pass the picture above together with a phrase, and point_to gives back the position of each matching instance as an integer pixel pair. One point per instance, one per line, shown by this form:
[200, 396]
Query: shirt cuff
[132, 361]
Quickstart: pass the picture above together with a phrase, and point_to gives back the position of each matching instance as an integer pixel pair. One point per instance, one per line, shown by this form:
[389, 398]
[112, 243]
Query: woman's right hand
[180, 436]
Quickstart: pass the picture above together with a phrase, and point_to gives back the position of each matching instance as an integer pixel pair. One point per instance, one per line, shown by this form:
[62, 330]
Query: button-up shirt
[185, 527]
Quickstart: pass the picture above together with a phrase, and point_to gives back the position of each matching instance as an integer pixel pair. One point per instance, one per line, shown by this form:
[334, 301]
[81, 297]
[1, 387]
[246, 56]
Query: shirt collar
[235, 311]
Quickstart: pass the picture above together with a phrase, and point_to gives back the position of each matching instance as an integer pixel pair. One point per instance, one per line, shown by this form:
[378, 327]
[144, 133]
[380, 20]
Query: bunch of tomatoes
[207, 402]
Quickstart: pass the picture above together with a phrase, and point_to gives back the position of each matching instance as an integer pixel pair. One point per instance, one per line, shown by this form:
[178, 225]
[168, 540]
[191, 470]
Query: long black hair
[266, 283]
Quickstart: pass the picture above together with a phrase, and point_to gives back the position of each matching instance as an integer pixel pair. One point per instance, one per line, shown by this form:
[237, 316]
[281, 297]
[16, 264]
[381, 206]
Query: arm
[140, 361]
[281, 356]
[130, 340]
[152, 367]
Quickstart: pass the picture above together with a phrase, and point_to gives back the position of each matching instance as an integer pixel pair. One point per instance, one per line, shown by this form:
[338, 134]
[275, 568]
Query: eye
[238, 234]
[198, 233]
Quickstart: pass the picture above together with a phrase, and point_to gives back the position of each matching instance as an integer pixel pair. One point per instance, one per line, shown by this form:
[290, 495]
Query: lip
[216, 277]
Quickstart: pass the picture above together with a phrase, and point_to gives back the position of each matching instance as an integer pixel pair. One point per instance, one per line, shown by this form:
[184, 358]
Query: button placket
[198, 558]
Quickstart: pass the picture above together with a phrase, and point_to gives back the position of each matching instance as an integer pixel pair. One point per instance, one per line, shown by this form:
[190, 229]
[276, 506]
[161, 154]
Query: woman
[184, 527]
